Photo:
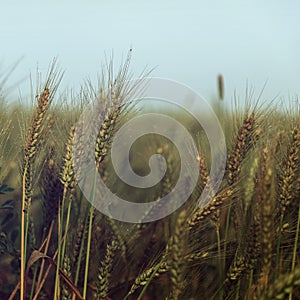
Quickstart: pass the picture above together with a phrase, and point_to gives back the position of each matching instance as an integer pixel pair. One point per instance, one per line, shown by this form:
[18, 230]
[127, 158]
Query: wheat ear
[30, 150]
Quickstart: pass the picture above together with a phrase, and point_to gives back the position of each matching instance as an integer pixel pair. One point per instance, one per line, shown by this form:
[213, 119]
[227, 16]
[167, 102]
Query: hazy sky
[189, 41]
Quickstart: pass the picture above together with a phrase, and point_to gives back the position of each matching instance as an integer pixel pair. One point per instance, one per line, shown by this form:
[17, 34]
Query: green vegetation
[244, 244]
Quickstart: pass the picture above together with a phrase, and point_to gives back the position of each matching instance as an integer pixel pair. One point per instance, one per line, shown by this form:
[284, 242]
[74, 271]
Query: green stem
[80, 254]
[87, 259]
[221, 266]
[66, 228]
[23, 236]
[226, 234]
[150, 279]
[250, 285]
[33, 281]
[59, 245]
[81, 245]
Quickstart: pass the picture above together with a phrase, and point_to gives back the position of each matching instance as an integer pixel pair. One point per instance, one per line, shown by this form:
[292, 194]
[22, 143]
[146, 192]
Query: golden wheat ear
[177, 263]
[289, 170]
[31, 149]
[202, 214]
[265, 195]
[104, 272]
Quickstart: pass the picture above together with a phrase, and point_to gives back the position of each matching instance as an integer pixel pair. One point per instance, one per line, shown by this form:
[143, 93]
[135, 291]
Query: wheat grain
[177, 262]
[104, 272]
[289, 170]
[203, 213]
[244, 142]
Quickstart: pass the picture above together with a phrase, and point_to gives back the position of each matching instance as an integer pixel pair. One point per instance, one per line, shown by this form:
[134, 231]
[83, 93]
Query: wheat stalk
[104, 271]
[30, 150]
[267, 209]
[176, 270]
[201, 214]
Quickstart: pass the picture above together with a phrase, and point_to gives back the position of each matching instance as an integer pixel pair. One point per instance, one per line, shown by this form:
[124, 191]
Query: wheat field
[244, 244]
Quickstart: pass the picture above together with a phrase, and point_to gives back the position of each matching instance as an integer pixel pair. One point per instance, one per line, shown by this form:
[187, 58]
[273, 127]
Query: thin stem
[44, 278]
[250, 285]
[60, 223]
[23, 246]
[221, 267]
[33, 281]
[148, 281]
[66, 228]
[226, 233]
[45, 252]
[79, 258]
[87, 259]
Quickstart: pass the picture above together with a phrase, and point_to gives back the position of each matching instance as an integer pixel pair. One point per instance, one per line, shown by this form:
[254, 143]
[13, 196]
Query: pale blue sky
[189, 41]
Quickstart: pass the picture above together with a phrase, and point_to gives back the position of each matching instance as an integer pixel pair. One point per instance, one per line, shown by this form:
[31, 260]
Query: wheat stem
[60, 224]
[23, 246]
[89, 237]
